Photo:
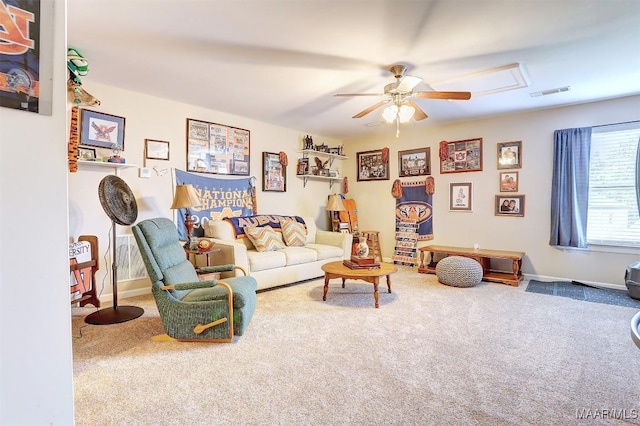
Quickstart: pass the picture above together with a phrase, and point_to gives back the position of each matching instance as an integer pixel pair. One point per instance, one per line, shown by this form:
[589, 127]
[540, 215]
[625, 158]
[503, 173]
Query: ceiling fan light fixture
[390, 113]
[406, 113]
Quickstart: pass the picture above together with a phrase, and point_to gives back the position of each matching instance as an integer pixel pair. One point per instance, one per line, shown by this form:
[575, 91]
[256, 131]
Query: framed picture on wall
[274, 174]
[156, 150]
[510, 155]
[372, 166]
[216, 148]
[414, 162]
[510, 205]
[101, 130]
[461, 156]
[86, 154]
[509, 181]
[461, 197]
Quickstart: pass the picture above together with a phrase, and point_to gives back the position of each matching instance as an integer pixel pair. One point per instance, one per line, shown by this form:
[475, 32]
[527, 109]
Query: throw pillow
[294, 233]
[264, 238]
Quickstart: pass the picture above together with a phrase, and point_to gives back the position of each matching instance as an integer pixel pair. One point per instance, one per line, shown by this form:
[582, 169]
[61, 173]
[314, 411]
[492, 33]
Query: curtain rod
[617, 124]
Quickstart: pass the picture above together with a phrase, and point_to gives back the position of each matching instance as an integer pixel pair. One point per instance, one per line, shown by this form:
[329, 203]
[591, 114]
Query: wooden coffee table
[338, 270]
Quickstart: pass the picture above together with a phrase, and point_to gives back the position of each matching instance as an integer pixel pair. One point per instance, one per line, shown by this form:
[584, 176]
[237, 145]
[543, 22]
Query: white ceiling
[281, 61]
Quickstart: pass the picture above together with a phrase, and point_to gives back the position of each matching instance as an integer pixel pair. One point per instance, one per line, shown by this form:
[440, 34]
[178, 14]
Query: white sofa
[279, 267]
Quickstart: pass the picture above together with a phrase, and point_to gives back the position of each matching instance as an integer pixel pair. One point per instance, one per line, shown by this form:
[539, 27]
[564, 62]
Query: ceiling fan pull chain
[397, 127]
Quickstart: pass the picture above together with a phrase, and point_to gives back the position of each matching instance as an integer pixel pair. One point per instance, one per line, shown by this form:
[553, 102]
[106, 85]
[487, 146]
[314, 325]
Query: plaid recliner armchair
[213, 310]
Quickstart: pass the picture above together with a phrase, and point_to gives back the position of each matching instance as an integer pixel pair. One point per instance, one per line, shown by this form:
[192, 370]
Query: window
[613, 209]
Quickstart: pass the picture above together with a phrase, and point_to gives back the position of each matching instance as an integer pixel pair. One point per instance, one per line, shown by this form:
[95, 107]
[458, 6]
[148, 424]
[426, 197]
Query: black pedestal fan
[120, 205]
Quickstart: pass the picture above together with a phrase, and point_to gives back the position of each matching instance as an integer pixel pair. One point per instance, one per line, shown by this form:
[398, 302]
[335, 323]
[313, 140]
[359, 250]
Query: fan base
[114, 315]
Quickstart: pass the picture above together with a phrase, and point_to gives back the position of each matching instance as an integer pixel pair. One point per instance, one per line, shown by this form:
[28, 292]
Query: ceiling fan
[400, 94]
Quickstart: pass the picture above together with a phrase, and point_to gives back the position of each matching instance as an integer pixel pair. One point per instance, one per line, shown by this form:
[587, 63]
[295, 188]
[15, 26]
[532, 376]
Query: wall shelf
[305, 178]
[307, 152]
[115, 166]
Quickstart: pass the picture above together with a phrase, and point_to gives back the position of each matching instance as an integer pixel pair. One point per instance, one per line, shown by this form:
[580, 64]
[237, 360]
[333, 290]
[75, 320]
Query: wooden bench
[482, 256]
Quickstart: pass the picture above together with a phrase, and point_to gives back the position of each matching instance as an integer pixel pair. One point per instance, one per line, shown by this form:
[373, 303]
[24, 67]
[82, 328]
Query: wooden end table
[339, 270]
[195, 253]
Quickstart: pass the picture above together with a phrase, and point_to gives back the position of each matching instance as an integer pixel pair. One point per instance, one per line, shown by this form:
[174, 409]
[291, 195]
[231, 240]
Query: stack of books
[357, 262]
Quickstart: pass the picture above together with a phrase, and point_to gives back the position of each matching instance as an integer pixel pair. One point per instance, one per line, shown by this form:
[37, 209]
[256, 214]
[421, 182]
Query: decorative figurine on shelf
[115, 158]
[308, 142]
[321, 166]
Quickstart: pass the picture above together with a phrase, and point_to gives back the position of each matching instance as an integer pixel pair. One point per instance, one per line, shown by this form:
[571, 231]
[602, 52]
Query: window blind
[613, 217]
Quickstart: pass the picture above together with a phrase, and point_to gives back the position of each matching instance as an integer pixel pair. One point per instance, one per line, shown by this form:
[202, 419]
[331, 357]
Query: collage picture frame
[462, 156]
[372, 165]
[217, 148]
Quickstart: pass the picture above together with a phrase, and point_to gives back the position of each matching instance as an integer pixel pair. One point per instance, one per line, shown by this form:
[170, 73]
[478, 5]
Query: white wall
[154, 118]
[149, 117]
[35, 327]
[530, 233]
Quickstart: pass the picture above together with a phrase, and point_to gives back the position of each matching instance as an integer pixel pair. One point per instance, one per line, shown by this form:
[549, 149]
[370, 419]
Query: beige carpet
[431, 354]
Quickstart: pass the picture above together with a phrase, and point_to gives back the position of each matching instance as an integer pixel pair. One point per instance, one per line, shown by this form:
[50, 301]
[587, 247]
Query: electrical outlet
[145, 172]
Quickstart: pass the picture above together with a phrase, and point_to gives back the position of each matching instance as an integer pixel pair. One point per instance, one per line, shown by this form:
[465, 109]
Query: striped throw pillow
[294, 233]
[264, 238]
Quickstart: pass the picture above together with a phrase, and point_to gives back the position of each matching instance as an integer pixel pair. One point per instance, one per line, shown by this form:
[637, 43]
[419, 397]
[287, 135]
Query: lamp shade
[390, 113]
[185, 197]
[335, 203]
[406, 113]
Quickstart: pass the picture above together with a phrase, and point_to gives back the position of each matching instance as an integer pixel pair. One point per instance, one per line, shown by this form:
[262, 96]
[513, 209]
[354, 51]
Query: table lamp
[335, 205]
[184, 198]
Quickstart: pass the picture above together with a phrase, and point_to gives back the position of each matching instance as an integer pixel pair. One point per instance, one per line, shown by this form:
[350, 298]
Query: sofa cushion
[325, 251]
[297, 255]
[294, 233]
[264, 238]
[259, 261]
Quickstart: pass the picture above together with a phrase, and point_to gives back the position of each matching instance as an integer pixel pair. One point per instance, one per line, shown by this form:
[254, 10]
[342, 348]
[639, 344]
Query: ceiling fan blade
[371, 108]
[359, 94]
[462, 96]
[419, 114]
[407, 83]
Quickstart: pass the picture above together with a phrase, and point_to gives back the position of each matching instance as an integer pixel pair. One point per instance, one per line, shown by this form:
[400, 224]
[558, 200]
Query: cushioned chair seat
[191, 309]
[458, 271]
[244, 291]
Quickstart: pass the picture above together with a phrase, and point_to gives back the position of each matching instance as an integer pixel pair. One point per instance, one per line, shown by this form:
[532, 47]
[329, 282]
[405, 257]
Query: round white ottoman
[459, 271]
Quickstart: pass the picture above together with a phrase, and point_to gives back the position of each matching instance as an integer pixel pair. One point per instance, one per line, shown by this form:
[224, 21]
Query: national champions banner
[416, 204]
[219, 198]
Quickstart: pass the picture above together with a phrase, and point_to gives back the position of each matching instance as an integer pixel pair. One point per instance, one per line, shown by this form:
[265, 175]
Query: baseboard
[589, 283]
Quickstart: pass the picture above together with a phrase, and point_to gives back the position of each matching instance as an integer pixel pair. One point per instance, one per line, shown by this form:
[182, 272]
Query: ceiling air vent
[550, 91]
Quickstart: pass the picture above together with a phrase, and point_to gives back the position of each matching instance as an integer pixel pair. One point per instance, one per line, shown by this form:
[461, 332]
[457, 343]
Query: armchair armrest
[190, 286]
[220, 268]
[337, 239]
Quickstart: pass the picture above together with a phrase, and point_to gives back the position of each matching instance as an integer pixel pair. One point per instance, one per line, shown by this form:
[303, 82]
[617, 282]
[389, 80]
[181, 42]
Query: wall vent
[550, 91]
[129, 261]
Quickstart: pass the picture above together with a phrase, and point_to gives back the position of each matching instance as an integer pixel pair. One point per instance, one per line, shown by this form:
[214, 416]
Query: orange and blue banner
[219, 198]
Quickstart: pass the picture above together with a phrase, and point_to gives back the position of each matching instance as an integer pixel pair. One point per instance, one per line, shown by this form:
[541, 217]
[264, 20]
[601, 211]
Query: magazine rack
[86, 272]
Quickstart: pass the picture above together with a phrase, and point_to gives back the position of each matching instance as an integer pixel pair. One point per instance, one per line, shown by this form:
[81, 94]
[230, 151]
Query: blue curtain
[570, 187]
